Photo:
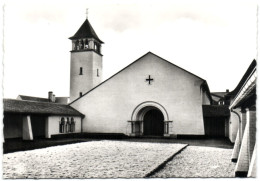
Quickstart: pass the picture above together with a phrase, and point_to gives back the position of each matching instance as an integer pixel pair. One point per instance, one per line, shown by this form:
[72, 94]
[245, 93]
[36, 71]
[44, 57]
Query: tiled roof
[85, 31]
[30, 98]
[219, 94]
[215, 110]
[32, 107]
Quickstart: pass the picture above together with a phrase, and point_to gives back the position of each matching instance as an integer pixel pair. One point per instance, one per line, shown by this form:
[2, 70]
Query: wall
[89, 61]
[109, 106]
[62, 100]
[97, 64]
[13, 124]
[226, 127]
[233, 125]
[205, 99]
[54, 122]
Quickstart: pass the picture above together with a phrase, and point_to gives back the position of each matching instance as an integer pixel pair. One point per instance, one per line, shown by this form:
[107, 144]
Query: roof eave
[46, 114]
[75, 38]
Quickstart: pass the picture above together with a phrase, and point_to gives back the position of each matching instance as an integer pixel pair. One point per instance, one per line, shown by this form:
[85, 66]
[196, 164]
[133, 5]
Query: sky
[216, 40]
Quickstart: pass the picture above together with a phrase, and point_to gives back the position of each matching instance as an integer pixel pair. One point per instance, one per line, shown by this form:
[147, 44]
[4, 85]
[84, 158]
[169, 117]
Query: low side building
[30, 119]
[216, 120]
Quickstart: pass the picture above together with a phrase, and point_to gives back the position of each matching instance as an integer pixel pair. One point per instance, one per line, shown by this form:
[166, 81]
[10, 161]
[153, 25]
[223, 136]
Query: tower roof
[86, 31]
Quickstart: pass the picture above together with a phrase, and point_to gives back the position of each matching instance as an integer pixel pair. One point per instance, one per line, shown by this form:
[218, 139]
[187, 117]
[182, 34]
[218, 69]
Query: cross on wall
[149, 79]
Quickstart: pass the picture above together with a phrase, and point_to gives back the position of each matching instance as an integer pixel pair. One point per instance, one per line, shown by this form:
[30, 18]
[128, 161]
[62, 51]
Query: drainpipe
[239, 119]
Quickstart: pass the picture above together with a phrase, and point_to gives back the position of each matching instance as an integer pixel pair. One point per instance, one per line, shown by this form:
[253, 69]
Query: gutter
[245, 90]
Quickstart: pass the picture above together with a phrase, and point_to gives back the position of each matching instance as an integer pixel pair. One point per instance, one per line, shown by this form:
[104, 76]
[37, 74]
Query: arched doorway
[153, 121]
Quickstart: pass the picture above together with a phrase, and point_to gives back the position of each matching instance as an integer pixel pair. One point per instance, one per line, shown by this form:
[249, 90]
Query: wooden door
[153, 123]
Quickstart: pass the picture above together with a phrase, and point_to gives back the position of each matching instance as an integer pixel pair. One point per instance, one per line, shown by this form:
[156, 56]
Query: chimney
[227, 90]
[50, 96]
[53, 98]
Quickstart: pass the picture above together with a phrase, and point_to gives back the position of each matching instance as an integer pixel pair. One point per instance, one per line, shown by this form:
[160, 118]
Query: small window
[80, 71]
[86, 44]
[68, 125]
[72, 125]
[81, 44]
[97, 73]
[62, 125]
[98, 48]
[80, 94]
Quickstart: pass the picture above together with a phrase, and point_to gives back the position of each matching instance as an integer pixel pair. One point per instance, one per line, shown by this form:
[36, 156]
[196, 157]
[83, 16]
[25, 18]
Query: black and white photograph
[129, 89]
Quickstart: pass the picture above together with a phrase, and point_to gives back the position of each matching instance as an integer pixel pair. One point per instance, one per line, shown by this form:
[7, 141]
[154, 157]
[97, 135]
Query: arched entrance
[153, 121]
[150, 119]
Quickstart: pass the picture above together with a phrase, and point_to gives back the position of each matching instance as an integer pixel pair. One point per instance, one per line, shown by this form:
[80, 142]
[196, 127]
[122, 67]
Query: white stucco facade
[233, 125]
[52, 124]
[109, 106]
[90, 74]
[30, 126]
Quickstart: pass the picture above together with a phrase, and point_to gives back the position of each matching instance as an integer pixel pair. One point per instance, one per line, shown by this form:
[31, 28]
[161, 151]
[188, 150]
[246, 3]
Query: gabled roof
[219, 94]
[215, 111]
[204, 85]
[86, 31]
[33, 107]
[30, 98]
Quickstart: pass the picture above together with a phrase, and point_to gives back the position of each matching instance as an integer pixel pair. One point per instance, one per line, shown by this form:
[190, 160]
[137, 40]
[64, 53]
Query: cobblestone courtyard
[118, 159]
[196, 161]
[96, 159]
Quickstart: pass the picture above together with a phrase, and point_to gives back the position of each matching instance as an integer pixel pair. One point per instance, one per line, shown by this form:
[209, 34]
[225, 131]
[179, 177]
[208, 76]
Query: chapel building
[149, 97]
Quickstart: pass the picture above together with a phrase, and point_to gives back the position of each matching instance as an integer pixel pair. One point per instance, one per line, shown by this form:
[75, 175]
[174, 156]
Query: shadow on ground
[13, 145]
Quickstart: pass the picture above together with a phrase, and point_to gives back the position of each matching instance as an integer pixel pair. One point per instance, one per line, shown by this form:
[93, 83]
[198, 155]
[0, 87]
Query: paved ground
[203, 158]
[12, 145]
[95, 159]
[196, 161]
[207, 142]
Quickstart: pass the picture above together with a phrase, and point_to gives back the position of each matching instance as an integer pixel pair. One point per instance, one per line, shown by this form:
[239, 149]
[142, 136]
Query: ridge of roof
[31, 98]
[217, 95]
[204, 81]
[86, 31]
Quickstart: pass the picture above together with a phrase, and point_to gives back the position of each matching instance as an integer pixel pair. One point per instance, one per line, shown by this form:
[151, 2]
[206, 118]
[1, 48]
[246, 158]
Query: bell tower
[85, 62]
